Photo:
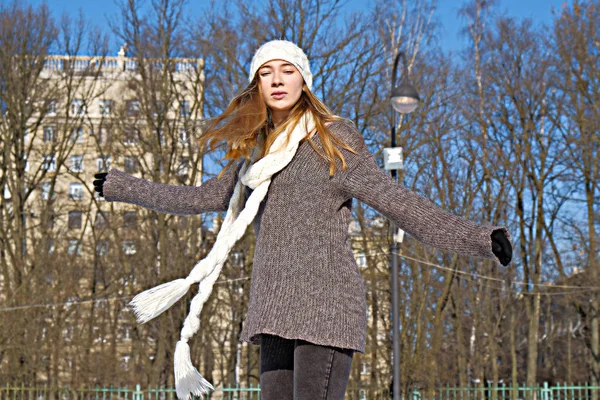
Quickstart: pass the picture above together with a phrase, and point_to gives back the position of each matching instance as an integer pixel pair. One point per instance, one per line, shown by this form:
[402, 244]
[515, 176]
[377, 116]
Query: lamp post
[404, 99]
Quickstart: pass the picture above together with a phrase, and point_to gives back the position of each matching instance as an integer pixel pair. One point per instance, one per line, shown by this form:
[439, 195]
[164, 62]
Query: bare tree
[529, 147]
[491, 186]
[576, 38]
[39, 127]
[160, 116]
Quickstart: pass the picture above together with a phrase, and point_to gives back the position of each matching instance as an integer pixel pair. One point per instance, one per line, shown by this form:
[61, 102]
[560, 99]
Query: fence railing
[543, 392]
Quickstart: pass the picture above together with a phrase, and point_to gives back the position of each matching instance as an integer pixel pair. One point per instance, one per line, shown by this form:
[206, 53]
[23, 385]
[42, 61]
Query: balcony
[90, 64]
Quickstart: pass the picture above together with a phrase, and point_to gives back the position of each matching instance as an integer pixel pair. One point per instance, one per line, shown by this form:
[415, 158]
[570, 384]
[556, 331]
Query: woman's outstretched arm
[416, 215]
[212, 195]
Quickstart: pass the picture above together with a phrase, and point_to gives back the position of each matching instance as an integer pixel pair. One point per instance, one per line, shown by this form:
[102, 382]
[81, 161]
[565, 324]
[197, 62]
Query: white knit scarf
[150, 303]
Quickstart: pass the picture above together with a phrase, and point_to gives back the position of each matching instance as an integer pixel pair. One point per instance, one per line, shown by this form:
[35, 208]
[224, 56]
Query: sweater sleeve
[414, 214]
[212, 195]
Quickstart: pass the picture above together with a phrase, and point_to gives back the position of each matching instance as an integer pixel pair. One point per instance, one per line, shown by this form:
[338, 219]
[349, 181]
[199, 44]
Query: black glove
[501, 247]
[99, 182]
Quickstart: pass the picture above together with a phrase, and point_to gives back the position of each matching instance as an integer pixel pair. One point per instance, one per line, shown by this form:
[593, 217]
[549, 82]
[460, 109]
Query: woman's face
[281, 85]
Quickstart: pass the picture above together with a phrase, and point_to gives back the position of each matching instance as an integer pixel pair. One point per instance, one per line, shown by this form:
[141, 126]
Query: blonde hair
[247, 117]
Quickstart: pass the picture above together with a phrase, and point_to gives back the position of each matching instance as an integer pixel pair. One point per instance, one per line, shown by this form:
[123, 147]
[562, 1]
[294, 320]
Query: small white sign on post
[392, 158]
[399, 236]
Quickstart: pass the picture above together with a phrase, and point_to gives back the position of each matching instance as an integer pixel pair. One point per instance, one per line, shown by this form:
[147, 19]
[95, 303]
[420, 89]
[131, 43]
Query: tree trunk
[513, 354]
[595, 301]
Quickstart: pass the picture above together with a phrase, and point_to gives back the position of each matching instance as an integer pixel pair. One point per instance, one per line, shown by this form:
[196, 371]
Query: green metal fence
[543, 392]
[120, 393]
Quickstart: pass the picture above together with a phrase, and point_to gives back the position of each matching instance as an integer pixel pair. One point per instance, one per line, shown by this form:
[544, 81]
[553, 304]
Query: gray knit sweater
[305, 282]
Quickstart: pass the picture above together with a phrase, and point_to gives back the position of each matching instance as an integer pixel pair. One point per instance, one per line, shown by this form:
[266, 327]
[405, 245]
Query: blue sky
[538, 10]
[446, 14]
[97, 11]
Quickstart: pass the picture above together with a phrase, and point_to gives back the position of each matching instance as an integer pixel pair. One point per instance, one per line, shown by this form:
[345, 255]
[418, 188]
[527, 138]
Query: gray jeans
[299, 370]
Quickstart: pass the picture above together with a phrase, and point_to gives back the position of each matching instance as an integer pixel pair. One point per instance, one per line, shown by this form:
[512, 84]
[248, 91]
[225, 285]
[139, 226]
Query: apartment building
[93, 114]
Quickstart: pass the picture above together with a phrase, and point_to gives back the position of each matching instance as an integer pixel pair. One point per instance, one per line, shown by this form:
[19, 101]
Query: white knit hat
[282, 50]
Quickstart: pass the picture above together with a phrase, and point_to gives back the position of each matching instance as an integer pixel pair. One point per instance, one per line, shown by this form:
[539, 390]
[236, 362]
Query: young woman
[300, 167]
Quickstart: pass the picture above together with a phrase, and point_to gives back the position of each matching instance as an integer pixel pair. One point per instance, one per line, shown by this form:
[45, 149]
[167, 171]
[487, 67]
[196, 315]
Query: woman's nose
[276, 79]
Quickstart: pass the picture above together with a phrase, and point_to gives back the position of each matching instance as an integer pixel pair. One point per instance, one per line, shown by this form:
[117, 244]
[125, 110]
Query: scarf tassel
[187, 378]
[150, 303]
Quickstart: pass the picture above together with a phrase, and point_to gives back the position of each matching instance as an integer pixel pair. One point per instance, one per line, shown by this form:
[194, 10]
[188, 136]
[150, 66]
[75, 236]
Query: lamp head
[405, 98]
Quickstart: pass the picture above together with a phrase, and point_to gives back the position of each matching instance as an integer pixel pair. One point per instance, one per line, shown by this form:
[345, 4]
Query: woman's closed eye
[288, 72]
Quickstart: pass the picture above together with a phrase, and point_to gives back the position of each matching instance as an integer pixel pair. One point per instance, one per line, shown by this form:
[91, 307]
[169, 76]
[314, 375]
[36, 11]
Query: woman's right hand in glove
[99, 182]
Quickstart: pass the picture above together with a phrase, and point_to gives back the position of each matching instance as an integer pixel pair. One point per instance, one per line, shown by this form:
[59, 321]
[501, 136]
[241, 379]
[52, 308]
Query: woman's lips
[278, 95]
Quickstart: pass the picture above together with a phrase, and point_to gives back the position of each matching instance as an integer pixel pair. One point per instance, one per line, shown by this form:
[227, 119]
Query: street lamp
[404, 99]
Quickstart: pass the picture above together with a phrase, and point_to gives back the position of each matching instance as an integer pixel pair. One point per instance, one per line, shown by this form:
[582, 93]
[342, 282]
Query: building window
[183, 222]
[68, 334]
[102, 248]
[133, 108]
[77, 108]
[76, 135]
[129, 247]
[159, 108]
[103, 163]
[237, 258]
[74, 247]
[75, 218]
[361, 260]
[49, 163]
[75, 191]
[129, 219]
[101, 219]
[77, 163]
[49, 134]
[51, 217]
[45, 191]
[50, 246]
[96, 334]
[184, 166]
[184, 108]
[130, 164]
[51, 107]
[131, 136]
[183, 136]
[125, 362]
[97, 196]
[126, 332]
[365, 369]
[159, 164]
[105, 107]
[103, 136]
